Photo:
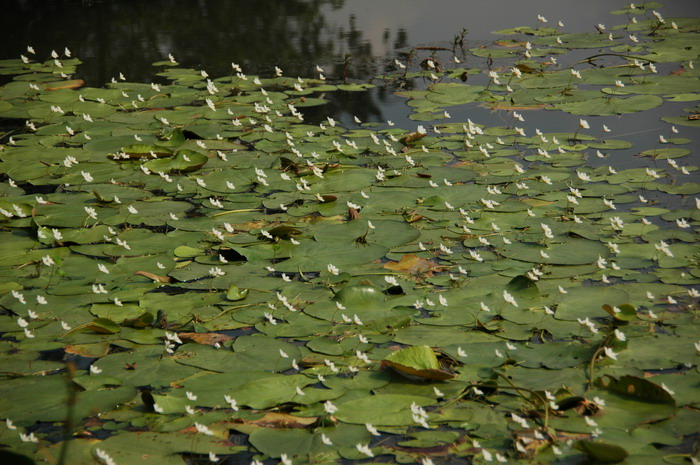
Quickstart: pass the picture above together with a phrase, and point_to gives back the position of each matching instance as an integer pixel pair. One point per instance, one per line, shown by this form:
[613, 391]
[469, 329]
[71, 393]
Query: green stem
[621, 55]
[224, 312]
[591, 366]
[68, 425]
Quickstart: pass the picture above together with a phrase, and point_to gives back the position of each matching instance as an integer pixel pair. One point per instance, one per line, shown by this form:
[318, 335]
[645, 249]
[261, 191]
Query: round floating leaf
[276, 442]
[665, 153]
[235, 294]
[381, 409]
[417, 361]
[582, 302]
[137, 151]
[183, 161]
[99, 325]
[572, 252]
[305, 256]
[601, 451]
[624, 312]
[353, 297]
[638, 388]
[611, 105]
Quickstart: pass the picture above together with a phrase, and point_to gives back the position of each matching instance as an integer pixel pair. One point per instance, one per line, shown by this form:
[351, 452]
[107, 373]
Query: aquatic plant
[192, 270]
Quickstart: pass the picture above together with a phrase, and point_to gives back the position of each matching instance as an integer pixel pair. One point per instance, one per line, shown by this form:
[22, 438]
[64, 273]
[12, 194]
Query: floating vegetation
[192, 270]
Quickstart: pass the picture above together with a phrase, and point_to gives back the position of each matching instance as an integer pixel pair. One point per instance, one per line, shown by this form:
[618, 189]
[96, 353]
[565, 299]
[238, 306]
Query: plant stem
[68, 425]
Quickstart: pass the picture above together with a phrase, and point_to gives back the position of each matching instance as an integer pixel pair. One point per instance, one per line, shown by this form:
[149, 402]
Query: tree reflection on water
[113, 36]
[124, 36]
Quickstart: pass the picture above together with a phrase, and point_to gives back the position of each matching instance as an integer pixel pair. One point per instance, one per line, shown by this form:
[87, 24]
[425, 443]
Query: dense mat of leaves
[191, 270]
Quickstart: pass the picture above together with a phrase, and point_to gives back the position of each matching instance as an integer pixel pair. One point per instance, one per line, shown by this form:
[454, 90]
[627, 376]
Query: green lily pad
[417, 361]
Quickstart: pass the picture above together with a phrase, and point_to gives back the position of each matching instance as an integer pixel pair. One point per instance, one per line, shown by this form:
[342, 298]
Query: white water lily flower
[547, 231]
[373, 431]
[610, 354]
[329, 407]
[509, 298]
[364, 449]
[203, 429]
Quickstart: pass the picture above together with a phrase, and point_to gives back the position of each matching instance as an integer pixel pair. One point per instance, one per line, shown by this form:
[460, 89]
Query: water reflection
[356, 39]
[127, 36]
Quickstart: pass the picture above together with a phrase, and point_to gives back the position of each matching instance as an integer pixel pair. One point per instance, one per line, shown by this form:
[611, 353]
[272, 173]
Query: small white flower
[95, 370]
[373, 431]
[547, 231]
[28, 437]
[202, 429]
[609, 353]
[329, 407]
[216, 271]
[364, 449]
[509, 298]
[232, 402]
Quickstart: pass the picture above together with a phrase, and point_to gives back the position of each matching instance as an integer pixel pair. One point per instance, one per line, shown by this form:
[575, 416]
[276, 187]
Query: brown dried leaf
[156, 278]
[279, 420]
[412, 137]
[60, 85]
[205, 338]
[413, 264]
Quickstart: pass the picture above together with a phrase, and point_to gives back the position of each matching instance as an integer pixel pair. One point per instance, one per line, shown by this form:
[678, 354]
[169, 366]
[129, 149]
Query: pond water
[406, 260]
[113, 36]
[353, 40]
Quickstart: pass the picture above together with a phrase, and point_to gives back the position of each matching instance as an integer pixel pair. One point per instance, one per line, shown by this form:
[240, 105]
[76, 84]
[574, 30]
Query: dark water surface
[126, 36]
[350, 39]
